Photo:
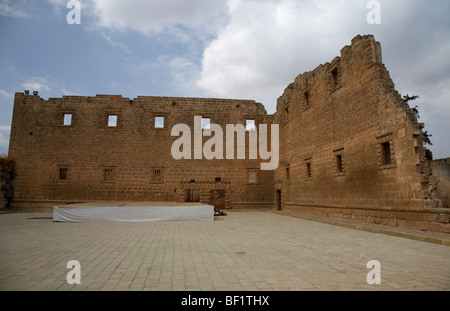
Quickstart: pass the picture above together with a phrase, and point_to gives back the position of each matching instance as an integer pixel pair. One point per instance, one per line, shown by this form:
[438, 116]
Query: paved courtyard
[257, 251]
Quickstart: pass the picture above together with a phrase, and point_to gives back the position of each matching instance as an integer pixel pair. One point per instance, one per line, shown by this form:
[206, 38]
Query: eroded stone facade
[89, 159]
[350, 147]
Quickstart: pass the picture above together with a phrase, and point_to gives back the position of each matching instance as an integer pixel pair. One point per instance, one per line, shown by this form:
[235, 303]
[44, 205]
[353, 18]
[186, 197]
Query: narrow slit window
[386, 153]
[339, 166]
[67, 119]
[334, 77]
[307, 98]
[112, 121]
[308, 170]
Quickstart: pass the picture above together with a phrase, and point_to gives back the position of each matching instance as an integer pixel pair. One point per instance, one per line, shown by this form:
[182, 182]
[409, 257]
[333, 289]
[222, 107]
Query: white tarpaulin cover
[132, 212]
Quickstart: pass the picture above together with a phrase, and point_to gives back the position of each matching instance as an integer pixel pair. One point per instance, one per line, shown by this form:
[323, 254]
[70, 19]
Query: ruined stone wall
[352, 148]
[131, 161]
[2, 191]
[442, 171]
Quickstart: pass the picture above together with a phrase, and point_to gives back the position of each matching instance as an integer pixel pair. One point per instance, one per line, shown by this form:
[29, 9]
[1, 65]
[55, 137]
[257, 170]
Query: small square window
[112, 121]
[67, 119]
[252, 176]
[159, 122]
[206, 123]
[250, 125]
[63, 173]
[218, 180]
[109, 174]
[157, 175]
[386, 151]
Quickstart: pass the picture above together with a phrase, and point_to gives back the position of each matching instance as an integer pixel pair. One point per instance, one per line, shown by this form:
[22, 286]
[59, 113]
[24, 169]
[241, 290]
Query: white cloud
[115, 44]
[6, 94]
[45, 83]
[158, 16]
[184, 75]
[36, 84]
[255, 48]
[15, 8]
[268, 43]
[181, 72]
[4, 138]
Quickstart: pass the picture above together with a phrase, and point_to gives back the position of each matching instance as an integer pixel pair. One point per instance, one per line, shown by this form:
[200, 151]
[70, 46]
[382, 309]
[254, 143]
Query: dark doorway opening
[192, 196]
[218, 199]
[279, 200]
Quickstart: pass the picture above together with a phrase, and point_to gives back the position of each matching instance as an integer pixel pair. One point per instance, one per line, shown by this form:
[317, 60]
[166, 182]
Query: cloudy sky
[240, 49]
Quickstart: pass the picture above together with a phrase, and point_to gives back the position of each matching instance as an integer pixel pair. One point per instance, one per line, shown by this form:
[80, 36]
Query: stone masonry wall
[131, 161]
[442, 169]
[352, 148]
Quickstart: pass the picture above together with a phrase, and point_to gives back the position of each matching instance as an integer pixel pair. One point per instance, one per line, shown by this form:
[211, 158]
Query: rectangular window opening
[307, 98]
[386, 153]
[206, 123]
[159, 122]
[339, 165]
[157, 177]
[308, 170]
[67, 119]
[108, 174]
[252, 177]
[63, 172]
[334, 76]
[250, 125]
[112, 120]
[192, 196]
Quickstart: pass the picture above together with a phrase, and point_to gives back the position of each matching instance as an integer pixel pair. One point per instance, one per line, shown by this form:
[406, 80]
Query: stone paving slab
[244, 251]
[425, 236]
